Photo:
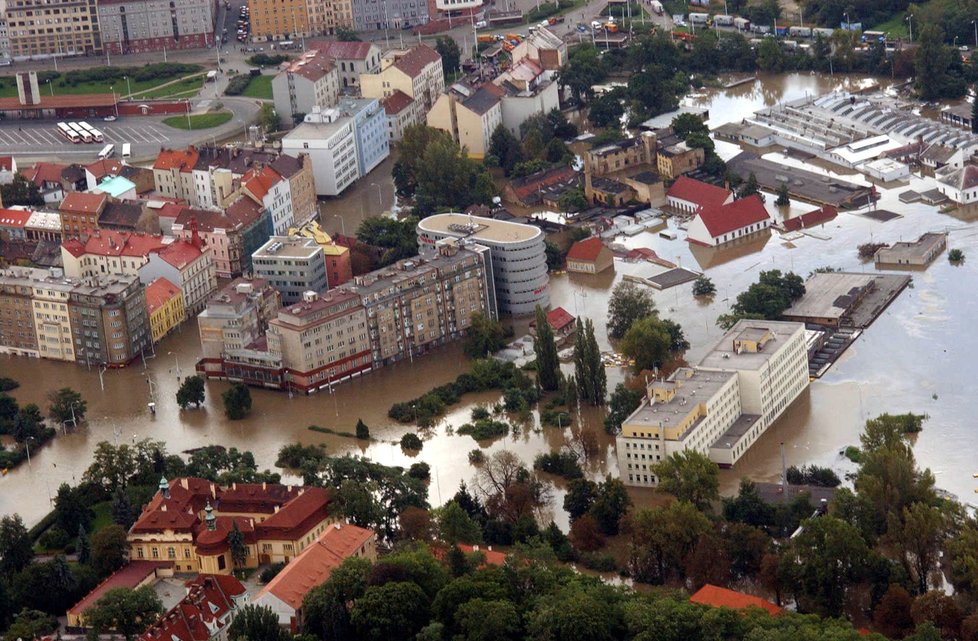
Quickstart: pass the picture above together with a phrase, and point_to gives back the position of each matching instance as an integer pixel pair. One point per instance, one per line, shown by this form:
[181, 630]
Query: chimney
[194, 235]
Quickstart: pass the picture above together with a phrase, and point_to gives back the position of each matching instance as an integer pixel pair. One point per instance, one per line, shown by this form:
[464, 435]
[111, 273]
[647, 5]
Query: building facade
[402, 112]
[80, 213]
[326, 17]
[187, 265]
[291, 264]
[397, 14]
[310, 81]
[470, 118]
[339, 267]
[721, 406]
[278, 20]
[351, 58]
[270, 190]
[519, 262]
[232, 235]
[40, 28]
[371, 131]
[234, 319]
[138, 26]
[330, 141]
[417, 72]
[164, 304]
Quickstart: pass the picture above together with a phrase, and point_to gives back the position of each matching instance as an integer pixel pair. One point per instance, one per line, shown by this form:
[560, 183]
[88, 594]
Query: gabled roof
[105, 167]
[287, 166]
[258, 182]
[698, 192]
[718, 597]
[527, 185]
[737, 215]
[355, 50]
[79, 202]
[200, 614]
[586, 250]
[159, 292]
[181, 159]
[312, 65]
[397, 102]
[179, 253]
[558, 318]
[962, 179]
[14, 217]
[481, 101]
[314, 565]
[107, 242]
[416, 59]
[117, 214]
[811, 218]
[129, 575]
[44, 172]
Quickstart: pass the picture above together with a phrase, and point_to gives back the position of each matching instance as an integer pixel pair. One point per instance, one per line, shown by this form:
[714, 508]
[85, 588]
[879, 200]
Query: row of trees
[643, 336]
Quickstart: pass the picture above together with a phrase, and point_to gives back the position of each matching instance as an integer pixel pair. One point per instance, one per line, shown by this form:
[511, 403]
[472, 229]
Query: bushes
[159, 71]
[266, 60]
[812, 475]
[411, 441]
[483, 429]
[270, 572]
[237, 85]
[560, 463]
[477, 457]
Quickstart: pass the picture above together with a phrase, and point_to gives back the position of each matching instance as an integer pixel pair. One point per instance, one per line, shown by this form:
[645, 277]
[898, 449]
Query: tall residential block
[291, 264]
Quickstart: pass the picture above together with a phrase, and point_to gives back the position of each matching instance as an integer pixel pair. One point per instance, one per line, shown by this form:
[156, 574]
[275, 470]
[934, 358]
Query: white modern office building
[370, 128]
[721, 406]
[519, 260]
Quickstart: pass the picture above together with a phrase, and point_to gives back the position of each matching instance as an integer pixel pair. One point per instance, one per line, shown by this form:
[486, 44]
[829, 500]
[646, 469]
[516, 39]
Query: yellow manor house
[187, 522]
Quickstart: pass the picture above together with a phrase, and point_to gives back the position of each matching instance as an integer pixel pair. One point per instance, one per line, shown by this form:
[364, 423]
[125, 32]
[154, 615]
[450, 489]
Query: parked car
[109, 119]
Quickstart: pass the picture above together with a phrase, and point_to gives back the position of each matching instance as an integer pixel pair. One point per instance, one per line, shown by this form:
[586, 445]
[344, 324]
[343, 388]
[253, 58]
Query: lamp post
[342, 223]
[189, 126]
[27, 446]
[128, 87]
[380, 194]
[910, 22]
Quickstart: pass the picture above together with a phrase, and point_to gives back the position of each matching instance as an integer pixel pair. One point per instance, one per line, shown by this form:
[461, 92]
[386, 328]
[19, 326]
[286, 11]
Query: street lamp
[51, 87]
[342, 223]
[128, 88]
[380, 194]
[909, 20]
[27, 446]
[974, 23]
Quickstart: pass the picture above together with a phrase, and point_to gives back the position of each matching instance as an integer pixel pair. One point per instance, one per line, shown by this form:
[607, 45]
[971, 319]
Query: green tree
[191, 391]
[784, 199]
[663, 538]
[484, 336]
[689, 123]
[391, 612]
[398, 238]
[545, 348]
[750, 188]
[622, 403]
[268, 119]
[123, 513]
[411, 441]
[257, 623]
[450, 54]
[16, 550]
[236, 545]
[606, 110]
[931, 62]
[31, 624]
[611, 502]
[29, 423]
[362, 431]
[773, 293]
[689, 476]
[770, 58]
[589, 371]
[703, 286]
[579, 498]
[627, 304]
[21, 192]
[648, 343]
[83, 548]
[8, 411]
[583, 70]
[892, 614]
[974, 113]
[66, 405]
[237, 401]
[504, 146]
[109, 548]
[573, 200]
[823, 564]
[456, 526]
[346, 34]
[127, 612]
[481, 620]
[555, 257]
[70, 510]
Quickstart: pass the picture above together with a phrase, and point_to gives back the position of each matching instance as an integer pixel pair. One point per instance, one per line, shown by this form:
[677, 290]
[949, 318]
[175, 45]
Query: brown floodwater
[918, 356]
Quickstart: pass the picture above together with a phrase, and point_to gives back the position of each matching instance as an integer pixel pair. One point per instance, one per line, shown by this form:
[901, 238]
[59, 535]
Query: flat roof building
[721, 406]
[830, 298]
[519, 261]
[919, 253]
[292, 265]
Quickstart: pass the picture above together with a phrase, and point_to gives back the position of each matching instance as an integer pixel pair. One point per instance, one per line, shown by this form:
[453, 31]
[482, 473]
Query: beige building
[623, 155]
[470, 118]
[279, 20]
[402, 112]
[721, 406]
[679, 159]
[45, 27]
[17, 334]
[325, 16]
[322, 340]
[351, 58]
[417, 72]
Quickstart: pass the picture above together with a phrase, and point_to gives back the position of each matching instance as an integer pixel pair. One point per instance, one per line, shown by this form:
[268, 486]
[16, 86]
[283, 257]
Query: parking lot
[45, 135]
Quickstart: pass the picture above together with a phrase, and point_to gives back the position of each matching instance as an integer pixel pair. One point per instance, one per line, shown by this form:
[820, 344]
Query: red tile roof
[355, 50]
[718, 597]
[698, 192]
[179, 253]
[200, 614]
[492, 557]
[812, 218]
[67, 101]
[107, 242]
[79, 202]
[586, 250]
[106, 167]
[14, 217]
[259, 182]
[159, 292]
[6, 163]
[44, 172]
[182, 159]
[315, 563]
[737, 215]
[397, 102]
[414, 61]
[559, 318]
[312, 65]
[128, 576]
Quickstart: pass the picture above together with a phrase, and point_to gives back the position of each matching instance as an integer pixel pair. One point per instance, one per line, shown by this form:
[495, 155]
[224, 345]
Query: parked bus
[106, 152]
[96, 134]
[68, 132]
[874, 36]
[82, 133]
[126, 150]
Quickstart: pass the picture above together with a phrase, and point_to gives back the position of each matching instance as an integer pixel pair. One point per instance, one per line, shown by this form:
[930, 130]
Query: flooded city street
[906, 361]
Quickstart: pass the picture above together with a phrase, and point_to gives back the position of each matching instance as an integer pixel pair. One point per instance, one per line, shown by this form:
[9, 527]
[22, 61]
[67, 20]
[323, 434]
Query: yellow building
[52, 322]
[164, 303]
[469, 119]
[65, 27]
[279, 20]
[679, 159]
[187, 522]
[417, 72]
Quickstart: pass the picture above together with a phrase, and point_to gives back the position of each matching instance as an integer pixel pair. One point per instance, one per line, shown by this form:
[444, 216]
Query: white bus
[126, 150]
[96, 134]
[85, 136]
[68, 132]
[106, 152]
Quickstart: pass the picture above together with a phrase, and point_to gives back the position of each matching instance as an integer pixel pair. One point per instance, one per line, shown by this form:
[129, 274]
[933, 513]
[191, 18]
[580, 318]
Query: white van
[126, 150]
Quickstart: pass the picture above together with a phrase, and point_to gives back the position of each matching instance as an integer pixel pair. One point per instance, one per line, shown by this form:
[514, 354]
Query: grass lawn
[895, 27]
[259, 87]
[199, 121]
[103, 515]
[8, 89]
[185, 88]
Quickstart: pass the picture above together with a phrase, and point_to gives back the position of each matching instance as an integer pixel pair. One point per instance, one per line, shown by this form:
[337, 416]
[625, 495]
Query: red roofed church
[716, 225]
[589, 256]
[717, 597]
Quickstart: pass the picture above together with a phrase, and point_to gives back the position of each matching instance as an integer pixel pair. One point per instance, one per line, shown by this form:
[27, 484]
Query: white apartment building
[370, 124]
[721, 406]
[267, 187]
[330, 141]
[310, 81]
[351, 58]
